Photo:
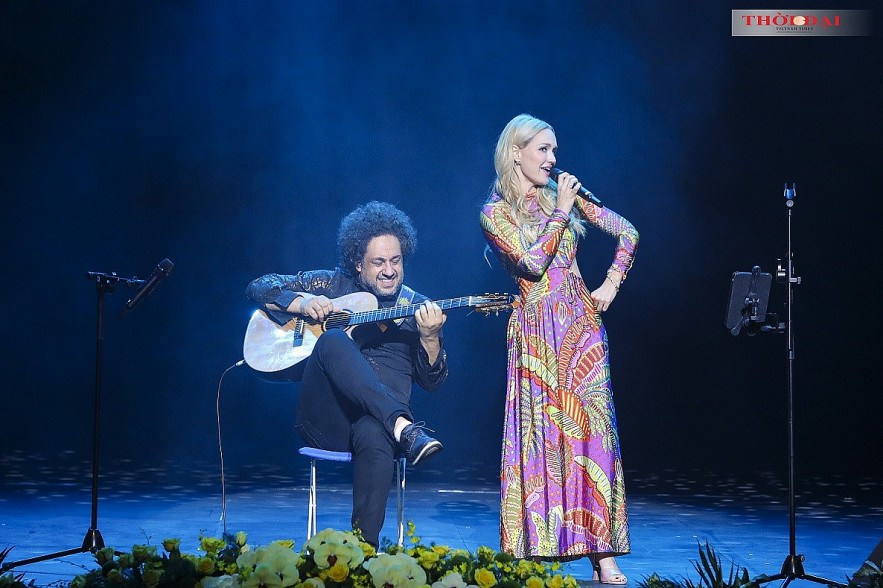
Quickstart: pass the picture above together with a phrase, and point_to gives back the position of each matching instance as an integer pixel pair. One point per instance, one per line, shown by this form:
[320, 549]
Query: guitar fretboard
[343, 320]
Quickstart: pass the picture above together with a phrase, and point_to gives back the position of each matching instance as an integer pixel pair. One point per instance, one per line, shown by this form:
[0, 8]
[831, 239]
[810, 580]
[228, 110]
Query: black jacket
[395, 353]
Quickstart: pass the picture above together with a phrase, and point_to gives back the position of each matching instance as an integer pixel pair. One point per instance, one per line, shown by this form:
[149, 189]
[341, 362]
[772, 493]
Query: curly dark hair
[368, 221]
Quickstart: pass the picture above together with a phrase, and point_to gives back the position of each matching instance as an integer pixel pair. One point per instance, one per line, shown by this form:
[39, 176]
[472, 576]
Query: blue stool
[316, 454]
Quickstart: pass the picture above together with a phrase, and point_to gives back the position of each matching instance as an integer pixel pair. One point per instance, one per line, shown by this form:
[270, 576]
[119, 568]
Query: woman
[563, 493]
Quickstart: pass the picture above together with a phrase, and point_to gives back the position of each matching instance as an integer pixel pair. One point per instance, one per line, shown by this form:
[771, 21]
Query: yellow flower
[127, 560]
[142, 552]
[241, 538]
[367, 549]
[534, 582]
[151, 577]
[205, 565]
[427, 558]
[485, 553]
[461, 569]
[461, 553]
[485, 578]
[555, 582]
[211, 544]
[287, 543]
[339, 572]
[102, 556]
[171, 545]
[115, 576]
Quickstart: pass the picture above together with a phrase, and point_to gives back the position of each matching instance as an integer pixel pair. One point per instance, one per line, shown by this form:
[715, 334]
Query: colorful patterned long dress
[563, 494]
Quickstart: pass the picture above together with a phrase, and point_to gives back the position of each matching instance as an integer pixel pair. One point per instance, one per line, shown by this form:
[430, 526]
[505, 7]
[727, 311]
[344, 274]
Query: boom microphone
[582, 191]
[164, 268]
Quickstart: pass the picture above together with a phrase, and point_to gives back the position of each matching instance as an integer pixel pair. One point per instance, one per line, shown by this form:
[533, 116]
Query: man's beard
[373, 288]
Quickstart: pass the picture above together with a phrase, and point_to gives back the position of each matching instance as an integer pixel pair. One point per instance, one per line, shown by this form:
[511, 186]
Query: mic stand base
[92, 542]
[792, 570]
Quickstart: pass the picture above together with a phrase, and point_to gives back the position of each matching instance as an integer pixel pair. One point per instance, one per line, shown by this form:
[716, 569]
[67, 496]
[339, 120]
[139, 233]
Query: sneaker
[417, 445]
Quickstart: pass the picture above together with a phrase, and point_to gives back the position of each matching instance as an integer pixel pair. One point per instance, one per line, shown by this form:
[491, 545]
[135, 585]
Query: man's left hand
[430, 319]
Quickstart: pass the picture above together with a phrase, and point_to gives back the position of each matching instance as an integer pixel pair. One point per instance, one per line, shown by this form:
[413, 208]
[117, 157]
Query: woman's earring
[517, 163]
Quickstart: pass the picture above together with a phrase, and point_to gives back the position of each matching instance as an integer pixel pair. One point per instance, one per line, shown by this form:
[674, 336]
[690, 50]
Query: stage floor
[45, 508]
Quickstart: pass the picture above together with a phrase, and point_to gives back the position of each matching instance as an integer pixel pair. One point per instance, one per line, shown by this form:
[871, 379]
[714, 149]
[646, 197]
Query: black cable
[221, 445]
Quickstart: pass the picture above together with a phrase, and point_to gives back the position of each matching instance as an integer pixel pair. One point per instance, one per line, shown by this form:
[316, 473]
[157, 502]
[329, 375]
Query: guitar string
[400, 311]
[342, 319]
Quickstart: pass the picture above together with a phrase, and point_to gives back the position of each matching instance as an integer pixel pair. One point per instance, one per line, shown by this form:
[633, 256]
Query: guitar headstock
[494, 303]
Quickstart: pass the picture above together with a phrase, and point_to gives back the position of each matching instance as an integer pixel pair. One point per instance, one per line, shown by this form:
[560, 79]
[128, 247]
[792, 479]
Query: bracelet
[612, 282]
[566, 216]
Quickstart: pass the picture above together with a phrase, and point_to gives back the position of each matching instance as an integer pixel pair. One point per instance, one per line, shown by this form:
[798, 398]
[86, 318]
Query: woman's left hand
[603, 296]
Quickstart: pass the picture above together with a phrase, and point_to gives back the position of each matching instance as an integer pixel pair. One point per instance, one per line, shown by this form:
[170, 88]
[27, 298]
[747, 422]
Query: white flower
[395, 571]
[220, 582]
[452, 580]
[273, 565]
[263, 576]
[330, 547]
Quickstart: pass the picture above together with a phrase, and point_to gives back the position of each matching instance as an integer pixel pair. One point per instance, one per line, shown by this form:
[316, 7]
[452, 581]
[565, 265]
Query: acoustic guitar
[274, 348]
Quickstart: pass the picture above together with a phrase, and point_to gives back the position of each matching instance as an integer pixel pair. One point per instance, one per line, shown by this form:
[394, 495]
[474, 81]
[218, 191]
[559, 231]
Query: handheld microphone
[161, 271]
[582, 191]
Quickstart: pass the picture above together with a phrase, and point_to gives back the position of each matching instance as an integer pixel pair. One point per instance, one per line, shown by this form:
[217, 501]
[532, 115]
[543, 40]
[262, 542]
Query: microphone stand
[93, 541]
[792, 568]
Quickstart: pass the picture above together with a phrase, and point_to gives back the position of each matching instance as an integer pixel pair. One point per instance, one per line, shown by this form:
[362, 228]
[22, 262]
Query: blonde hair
[518, 132]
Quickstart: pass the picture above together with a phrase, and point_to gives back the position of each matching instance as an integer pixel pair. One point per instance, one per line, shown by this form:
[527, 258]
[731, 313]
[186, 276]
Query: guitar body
[278, 350]
[273, 348]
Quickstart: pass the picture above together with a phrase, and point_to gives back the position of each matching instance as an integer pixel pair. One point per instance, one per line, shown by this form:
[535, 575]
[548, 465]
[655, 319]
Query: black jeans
[344, 406]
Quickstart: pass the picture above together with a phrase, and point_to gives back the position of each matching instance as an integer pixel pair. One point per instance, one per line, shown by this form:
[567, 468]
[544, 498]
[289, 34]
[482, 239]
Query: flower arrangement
[330, 559]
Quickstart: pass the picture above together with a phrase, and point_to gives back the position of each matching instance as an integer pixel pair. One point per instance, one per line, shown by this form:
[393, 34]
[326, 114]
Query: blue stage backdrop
[230, 137]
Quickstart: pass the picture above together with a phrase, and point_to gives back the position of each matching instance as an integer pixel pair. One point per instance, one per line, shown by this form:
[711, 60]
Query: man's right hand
[316, 307]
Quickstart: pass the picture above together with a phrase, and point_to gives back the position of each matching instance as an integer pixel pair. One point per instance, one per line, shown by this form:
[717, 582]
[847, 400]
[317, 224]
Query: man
[355, 396]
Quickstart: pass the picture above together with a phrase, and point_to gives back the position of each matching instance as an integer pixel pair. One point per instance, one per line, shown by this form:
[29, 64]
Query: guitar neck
[394, 312]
